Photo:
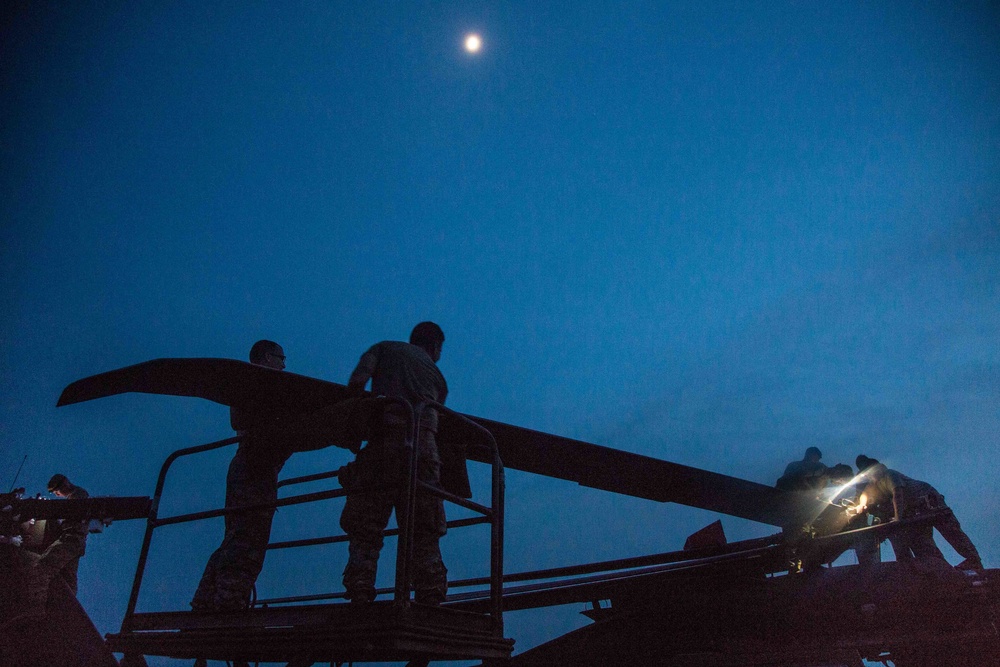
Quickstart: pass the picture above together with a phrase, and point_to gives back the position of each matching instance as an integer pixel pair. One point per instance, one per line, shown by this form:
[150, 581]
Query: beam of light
[829, 498]
[473, 43]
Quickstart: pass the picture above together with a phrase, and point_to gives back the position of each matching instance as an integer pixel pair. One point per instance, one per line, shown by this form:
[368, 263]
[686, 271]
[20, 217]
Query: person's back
[909, 498]
[805, 475]
[402, 370]
[408, 371]
[78, 528]
[62, 557]
[901, 492]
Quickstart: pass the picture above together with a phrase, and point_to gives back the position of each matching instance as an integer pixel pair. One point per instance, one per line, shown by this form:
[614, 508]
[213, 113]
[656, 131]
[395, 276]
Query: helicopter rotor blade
[230, 382]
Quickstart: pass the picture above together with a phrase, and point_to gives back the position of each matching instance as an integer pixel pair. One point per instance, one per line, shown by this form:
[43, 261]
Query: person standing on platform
[408, 371]
[61, 558]
[233, 568]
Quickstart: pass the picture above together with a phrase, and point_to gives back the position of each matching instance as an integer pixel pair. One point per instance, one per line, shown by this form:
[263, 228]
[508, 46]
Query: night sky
[706, 232]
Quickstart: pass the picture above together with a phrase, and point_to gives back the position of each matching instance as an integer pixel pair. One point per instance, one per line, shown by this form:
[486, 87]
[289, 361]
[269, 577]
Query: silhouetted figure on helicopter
[252, 479]
[831, 485]
[809, 474]
[892, 496]
[269, 436]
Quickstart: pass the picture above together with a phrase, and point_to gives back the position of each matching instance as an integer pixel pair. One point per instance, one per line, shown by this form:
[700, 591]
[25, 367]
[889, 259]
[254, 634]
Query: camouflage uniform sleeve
[238, 419]
[443, 393]
[77, 528]
[894, 487]
[365, 368]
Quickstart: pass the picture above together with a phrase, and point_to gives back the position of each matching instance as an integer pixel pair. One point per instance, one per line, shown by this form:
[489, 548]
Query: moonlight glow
[473, 43]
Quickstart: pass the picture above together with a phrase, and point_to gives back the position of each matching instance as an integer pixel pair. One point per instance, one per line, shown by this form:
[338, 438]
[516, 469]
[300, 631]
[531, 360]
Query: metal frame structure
[711, 608]
[402, 589]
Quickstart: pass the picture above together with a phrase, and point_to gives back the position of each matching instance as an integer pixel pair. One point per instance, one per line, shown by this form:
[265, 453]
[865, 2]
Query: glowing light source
[862, 502]
[473, 43]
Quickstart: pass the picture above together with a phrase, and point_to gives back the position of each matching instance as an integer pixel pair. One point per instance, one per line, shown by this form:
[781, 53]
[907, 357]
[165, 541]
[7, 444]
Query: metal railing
[402, 589]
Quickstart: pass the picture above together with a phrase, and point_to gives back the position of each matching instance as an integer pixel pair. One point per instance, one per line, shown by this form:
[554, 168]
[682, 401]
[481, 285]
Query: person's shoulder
[902, 479]
[794, 467]
[895, 477]
[388, 346]
[817, 468]
[398, 347]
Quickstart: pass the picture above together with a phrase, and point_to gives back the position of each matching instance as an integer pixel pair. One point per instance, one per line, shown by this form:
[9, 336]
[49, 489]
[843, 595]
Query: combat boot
[970, 564]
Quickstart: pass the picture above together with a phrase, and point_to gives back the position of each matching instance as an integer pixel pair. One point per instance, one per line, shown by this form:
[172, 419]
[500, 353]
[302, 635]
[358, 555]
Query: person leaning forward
[252, 479]
[408, 371]
[62, 557]
[903, 497]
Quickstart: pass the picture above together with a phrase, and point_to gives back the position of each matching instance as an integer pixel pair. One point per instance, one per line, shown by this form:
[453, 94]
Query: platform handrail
[495, 513]
[241, 509]
[390, 532]
[492, 514]
[153, 521]
[309, 478]
[153, 513]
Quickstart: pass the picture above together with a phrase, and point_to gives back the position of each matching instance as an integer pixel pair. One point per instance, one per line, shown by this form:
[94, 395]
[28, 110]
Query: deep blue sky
[711, 234]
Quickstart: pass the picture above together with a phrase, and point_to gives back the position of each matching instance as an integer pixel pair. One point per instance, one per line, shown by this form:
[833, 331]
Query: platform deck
[381, 631]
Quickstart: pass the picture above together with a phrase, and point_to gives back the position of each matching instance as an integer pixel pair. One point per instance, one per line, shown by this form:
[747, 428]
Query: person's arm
[816, 478]
[239, 419]
[364, 370]
[894, 487]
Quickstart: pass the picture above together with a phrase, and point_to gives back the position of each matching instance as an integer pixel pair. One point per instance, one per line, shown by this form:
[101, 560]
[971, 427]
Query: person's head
[268, 353]
[60, 485]
[813, 455]
[428, 336]
[841, 473]
[864, 463]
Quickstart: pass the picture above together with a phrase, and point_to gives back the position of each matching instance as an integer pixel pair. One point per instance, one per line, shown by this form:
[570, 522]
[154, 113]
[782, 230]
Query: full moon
[473, 43]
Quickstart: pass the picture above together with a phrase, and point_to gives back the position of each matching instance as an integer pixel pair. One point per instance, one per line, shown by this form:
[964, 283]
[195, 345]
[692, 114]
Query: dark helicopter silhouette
[773, 601]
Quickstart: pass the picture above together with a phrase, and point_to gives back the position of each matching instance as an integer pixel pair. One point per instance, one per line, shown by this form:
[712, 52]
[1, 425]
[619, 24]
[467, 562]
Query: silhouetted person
[865, 546]
[805, 475]
[408, 371]
[910, 498]
[252, 479]
[62, 557]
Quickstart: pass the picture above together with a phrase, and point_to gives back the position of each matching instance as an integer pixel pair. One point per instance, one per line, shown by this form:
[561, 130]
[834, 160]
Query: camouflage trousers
[233, 568]
[61, 559]
[366, 514]
[918, 542]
